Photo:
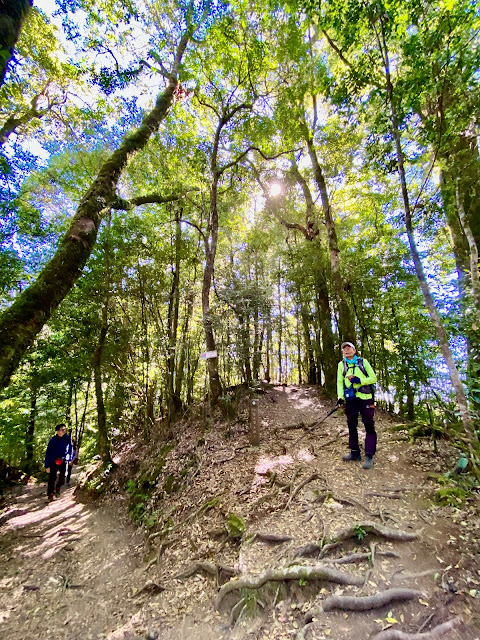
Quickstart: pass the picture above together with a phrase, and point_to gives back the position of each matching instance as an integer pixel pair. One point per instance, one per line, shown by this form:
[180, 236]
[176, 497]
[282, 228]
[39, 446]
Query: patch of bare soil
[329, 550]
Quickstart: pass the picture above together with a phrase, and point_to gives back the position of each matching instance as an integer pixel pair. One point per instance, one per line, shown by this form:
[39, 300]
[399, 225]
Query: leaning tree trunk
[470, 439]
[20, 324]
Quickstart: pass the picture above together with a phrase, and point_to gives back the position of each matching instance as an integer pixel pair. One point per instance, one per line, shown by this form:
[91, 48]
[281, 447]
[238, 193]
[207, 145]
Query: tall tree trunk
[345, 316]
[20, 324]
[103, 442]
[328, 341]
[30, 432]
[180, 375]
[68, 408]
[268, 369]
[12, 17]
[174, 402]
[430, 304]
[309, 353]
[280, 328]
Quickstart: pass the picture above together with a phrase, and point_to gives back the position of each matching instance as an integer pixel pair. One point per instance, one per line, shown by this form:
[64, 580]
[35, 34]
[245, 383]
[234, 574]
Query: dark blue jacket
[58, 448]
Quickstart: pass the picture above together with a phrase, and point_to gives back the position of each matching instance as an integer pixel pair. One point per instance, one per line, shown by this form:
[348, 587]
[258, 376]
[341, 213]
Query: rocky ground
[306, 531]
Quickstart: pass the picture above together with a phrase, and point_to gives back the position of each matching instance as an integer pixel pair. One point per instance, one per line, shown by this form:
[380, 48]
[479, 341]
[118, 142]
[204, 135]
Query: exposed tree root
[307, 550]
[436, 632]
[207, 567]
[268, 496]
[302, 634]
[384, 494]
[352, 502]
[299, 487]
[271, 537]
[412, 576]
[151, 588]
[362, 529]
[360, 557]
[295, 572]
[365, 603]
[159, 552]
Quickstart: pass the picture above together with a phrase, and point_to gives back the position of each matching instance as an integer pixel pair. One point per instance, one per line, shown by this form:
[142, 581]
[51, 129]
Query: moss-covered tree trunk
[20, 324]
[12, 17]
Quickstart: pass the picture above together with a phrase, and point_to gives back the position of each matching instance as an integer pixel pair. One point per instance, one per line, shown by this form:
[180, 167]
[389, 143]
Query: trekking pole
[315, 426]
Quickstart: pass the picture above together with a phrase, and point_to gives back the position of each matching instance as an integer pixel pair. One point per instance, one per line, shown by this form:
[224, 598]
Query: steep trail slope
[72, 570]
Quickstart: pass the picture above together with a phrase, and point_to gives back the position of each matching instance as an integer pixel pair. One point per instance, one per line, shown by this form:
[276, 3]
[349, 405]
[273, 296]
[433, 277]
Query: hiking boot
[368, 464]
[50, 497]
[353, 456]
[57, 494]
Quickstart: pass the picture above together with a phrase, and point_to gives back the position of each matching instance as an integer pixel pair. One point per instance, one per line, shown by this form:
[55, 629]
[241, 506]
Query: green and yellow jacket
[362, 390]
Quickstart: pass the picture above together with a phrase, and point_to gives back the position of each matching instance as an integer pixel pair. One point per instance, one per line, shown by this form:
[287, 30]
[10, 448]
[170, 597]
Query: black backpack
[366, 388]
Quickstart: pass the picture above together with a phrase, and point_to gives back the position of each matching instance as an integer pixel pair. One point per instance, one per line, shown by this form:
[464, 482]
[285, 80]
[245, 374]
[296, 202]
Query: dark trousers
[366, 408]
[54, 469]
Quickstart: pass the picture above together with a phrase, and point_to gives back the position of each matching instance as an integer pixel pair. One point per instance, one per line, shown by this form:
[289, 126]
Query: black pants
[367, 411]
[54, 469]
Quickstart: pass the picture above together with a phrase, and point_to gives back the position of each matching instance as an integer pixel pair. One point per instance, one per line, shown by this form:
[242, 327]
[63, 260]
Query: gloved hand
[340, 402]
[355, 380]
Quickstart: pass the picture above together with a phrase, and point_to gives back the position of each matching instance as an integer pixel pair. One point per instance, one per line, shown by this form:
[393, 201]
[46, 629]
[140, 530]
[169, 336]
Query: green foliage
[235, 526]
[360, 532]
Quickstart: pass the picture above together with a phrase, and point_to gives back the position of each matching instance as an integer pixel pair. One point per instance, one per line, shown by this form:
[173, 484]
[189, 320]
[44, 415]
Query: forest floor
[81, 570]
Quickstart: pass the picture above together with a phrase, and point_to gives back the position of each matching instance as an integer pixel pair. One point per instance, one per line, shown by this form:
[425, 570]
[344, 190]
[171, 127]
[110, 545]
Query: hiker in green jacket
[355, 378]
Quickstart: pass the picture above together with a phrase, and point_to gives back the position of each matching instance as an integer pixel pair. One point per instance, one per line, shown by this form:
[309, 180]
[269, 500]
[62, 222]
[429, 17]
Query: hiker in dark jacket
[57, 456]
[355, 378]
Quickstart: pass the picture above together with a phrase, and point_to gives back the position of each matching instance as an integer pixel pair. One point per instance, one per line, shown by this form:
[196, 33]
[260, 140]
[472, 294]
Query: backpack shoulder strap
[361, 366]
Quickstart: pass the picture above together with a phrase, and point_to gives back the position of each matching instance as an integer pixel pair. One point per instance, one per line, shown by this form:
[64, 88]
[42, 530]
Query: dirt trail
[72, 570]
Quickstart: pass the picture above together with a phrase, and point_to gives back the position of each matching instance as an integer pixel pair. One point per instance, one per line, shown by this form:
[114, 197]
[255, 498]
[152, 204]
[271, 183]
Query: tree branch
[152, 198]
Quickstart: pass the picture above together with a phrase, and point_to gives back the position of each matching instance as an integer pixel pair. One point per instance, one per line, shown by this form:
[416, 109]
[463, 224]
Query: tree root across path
[365, 603]
[361, 529]
[295, 572]
[220, 572]
[433, 634]
[358, 531]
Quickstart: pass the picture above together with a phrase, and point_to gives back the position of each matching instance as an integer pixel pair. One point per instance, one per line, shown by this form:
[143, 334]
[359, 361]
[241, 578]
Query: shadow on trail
[40, 528]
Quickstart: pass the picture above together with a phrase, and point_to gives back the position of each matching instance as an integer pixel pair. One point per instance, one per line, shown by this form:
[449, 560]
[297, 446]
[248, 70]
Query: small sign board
[209, 354]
